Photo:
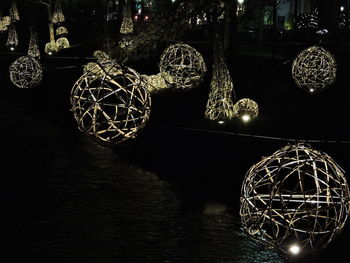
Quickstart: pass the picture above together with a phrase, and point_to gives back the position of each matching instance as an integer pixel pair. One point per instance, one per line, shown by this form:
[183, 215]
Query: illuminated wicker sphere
[314, 69]
[61, 31]
[3, 25]
[101, 56]
[51, 48]
[295, 201]
[62, 43]
[110, 103]
[26, 72]
[246, 109]
[184, 64]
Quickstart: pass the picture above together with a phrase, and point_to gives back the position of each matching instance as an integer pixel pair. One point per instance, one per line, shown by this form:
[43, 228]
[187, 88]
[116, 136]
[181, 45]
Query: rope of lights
[253, 135]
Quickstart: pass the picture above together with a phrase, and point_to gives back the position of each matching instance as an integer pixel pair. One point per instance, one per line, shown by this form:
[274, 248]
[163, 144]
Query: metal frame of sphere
[295, 201]
[26, 72]
[314, 69]
[246, 109]
[184, 64]
[111, 103]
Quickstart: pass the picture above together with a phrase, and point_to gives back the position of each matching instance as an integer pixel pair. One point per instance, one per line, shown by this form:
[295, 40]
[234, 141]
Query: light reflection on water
[90, 206]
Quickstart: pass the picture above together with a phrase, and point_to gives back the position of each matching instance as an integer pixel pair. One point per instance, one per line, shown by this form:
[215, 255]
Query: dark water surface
[169, 196]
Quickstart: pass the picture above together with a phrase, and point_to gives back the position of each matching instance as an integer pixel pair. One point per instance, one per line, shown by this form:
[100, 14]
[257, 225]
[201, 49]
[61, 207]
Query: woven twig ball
[110, 103]
[295, 201]
[62, 43]
[51, 48]
[314, 69]
[61, 31]
[26, 72]
[246, 109]
[184, 64]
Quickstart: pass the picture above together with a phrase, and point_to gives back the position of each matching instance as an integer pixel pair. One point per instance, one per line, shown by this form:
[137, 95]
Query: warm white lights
[294, 249]
[295, 199]
[246, 118]
[314, 69]
[110, 103]
[240, 1]
[221, 122]
[342, 8]
[184, 64]
[246, 109]
[220, 102]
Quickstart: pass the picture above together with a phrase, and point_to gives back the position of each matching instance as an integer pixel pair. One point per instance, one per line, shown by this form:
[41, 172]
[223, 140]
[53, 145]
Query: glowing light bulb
[342, 8]
[221, 122]
[294, 249]
[50, 53]
[240, 1]
[312, 90]
[246, 117]
[12, 48]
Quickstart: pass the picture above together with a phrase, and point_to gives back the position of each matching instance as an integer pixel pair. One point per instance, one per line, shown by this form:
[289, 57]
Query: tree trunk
[260, 36]
[230, 25]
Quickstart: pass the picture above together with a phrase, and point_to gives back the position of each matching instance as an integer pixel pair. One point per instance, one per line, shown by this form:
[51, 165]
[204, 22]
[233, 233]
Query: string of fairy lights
[294, 201]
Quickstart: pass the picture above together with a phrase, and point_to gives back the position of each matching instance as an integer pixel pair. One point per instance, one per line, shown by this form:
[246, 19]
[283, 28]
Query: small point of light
[146, 17]
[136, 17]
[342, 8]
[312, 90]
[240, 1]
[221, 122]
[12, 48]
[50, 53]
[294, 249]
[246, 117]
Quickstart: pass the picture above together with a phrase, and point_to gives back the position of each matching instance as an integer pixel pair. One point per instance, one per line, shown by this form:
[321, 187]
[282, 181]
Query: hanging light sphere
[110, 103]
[61, 31]
[62, 43]
[314, 69]
[51, 48]
[101, 56]
[295, 201]
[26, 72]
[184, 64]
[246, 109]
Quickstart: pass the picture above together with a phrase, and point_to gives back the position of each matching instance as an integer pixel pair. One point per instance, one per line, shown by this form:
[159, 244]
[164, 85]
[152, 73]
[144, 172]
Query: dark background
[64, 198]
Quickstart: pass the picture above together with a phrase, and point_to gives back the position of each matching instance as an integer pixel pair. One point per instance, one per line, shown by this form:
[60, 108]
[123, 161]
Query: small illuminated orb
[26, 72]
[51, 48]
[240, 1]
[12, 48]
[295, 201]
[221, 122]
[314, 69]
[110, 103]
[246, 109]
[62, 43]
[342, 8]
[184, 64]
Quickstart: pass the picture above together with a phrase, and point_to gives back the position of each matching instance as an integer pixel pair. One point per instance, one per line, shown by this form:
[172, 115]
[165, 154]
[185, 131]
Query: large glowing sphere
[26, 72]
[184, 64]
[110, 103]
[314, 69]
[295, 201]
